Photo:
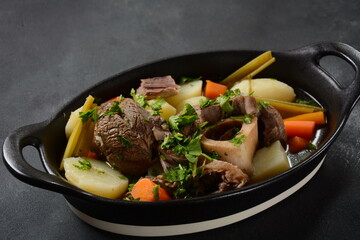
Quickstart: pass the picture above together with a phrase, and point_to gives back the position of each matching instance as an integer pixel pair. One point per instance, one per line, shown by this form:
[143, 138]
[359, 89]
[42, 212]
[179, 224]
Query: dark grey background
[50, 51]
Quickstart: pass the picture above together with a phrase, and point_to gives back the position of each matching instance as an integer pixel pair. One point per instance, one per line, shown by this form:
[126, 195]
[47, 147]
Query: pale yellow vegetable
[244, 86]
[186, 91]
[98, 178]
[192, 101]
[290, 109]
[71, 123]
[267, 88]
[250, 69]
[269, 161]
[166, 109]
[76, 132]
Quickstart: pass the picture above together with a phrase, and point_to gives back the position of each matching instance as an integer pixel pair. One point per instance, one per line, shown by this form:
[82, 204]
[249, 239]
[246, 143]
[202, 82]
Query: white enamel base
[171, 230]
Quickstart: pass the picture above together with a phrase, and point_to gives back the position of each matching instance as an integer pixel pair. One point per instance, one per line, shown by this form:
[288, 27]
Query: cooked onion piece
[95, 176]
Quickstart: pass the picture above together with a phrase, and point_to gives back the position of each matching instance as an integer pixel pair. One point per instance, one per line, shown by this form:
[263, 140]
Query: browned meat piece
[245, 105]
[224, 176]
[273, 125]
[158, 87]
[126, 139]
[160, 127]
[211, 114]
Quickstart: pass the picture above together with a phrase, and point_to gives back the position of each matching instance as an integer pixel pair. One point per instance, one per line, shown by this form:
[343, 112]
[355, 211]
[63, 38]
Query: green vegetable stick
[249, 69]
[76, 132]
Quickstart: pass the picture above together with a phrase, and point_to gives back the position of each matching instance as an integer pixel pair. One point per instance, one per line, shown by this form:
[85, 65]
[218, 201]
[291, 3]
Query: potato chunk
[192, 101]
[269, 161]
[95, 176]
[186, 91]
[267, 88]
[166, 110]
[71, 123]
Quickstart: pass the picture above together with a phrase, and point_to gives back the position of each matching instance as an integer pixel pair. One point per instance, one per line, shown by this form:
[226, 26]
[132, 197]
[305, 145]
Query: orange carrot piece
[304, 129]
[296, 144]
[92, 155]
[213, 90]
[318, 117]
[114, 99]
[147, 190]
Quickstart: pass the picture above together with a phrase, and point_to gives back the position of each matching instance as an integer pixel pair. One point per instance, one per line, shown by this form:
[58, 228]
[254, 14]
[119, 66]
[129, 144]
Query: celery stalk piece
[70, 147]
[250, 69]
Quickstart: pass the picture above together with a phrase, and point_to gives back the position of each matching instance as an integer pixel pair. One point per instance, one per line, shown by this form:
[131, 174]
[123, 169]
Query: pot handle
[350, 94]
[15, 162]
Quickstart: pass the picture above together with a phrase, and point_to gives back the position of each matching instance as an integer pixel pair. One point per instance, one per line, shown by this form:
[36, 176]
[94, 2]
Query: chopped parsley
[100, 171]
[84, 164]
[206, 102]
[180, 174]
[263, 105]
[306, 102]
[139, 98]
[115, 109]
[89, 114]
[245, 119]
[186, 117]
[214, 155]
[155, 191]
[156, 106]
[125, 142]
[311, 146]
[238, 140]
[188, 79]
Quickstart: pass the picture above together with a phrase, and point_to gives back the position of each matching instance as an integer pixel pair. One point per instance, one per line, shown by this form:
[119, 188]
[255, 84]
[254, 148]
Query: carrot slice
[146, 190]
[318, 117]
[213, 90]
[304, 129]
[114, 99]
[296, 144]
[92, 155]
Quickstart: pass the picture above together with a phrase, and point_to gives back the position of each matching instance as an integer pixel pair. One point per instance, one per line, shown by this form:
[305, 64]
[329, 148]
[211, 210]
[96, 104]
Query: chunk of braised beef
[126, 138]
[245, 105]
[158, 87]
[272, 126]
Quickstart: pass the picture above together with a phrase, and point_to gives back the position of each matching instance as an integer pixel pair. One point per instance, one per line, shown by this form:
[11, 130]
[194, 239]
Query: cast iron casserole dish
[299, 68]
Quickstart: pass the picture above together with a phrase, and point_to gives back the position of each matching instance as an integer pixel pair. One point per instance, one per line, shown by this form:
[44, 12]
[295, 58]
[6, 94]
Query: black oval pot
[299, 68]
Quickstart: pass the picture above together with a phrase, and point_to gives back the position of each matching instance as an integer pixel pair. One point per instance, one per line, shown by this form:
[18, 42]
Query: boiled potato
[267, 88]
[71, 123]
[95, 176]
[192, 101]
[269, 161]
[243, 85]
[186, 91]
[166, 109]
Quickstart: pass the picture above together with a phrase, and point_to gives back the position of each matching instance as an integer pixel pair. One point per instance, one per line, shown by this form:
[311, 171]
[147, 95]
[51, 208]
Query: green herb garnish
[245, 119]
[84, 165]
[139, 98]
[238, 140]
[186, 117]
[115, 109]
[156, 106]
[90, 114]
[307, 102]
[311, 146]
[155, 191]
[125, 142]
[263, 105]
